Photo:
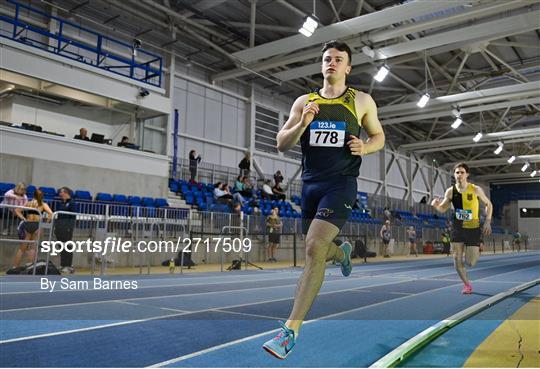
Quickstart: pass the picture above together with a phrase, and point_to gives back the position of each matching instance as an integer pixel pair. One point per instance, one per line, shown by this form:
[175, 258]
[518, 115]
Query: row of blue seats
[49, 193]
[202, 196]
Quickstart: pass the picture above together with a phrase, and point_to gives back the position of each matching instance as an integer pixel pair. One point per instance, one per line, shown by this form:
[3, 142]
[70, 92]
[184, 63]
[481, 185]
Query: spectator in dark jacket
[245, 165]
[64, 226]
[278, 177]
[194, 161]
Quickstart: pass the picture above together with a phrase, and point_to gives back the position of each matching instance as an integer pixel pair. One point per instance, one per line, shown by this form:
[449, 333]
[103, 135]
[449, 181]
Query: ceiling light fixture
[311, 22]
[499, 148]
[456, 123]
[381, 74]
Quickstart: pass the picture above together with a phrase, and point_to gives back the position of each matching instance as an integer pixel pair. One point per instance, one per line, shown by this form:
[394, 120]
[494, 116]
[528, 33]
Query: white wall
[5, 109]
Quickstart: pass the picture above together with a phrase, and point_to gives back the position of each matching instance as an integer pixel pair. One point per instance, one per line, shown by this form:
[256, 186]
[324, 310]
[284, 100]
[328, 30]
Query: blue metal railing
[89, 47]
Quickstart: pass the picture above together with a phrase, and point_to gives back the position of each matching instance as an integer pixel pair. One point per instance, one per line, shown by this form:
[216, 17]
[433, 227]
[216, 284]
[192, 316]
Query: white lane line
[248, 314]
[127, 303]
[176, 310]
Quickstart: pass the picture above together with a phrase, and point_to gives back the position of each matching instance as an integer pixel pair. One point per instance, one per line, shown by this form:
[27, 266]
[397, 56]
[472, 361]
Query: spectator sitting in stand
[83, 135]
[278, 192]
[238, 185]
[247, 190]
[124, 142]
[222, 192]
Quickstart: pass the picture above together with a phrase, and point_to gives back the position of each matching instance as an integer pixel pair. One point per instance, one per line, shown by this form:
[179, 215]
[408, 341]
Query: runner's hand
[487, 229]
[357, 146]
[309, 113]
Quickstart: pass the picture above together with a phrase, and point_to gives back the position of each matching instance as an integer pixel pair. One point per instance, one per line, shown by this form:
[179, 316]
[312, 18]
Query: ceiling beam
[491, 30]
[445, 111]
[354, 26]
[521, 134]
[378, 36]
[520, 159]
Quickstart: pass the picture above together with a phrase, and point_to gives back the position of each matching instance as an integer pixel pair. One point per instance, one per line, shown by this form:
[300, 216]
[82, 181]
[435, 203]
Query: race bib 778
[327, 133]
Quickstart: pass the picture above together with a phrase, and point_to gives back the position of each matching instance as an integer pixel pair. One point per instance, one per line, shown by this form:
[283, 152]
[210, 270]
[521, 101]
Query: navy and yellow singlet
[324, 150]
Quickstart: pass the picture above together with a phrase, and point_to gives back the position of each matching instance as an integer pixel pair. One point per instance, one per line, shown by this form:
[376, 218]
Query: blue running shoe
[346, 264]
[282, 344]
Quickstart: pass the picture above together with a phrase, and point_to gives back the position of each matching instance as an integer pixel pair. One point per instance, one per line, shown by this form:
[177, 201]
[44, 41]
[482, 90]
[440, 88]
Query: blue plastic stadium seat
[30, 190]
[82, 195]
[160, 203]
[134, 200]
[147, 201]
[120, 198]
[102, 196]
[190, 199]
[48, 192]
[5, 187]
[174, 187]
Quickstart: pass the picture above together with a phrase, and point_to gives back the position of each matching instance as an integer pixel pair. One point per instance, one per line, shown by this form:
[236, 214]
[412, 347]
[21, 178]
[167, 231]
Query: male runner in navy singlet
[327, 123]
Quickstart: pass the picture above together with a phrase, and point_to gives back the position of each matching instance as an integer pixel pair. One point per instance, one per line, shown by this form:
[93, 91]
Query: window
[266, 129]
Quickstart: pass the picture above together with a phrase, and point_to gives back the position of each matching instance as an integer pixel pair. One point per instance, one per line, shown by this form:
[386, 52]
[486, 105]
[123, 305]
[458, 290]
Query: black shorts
[467, 236]
[26, 227]
[274, 237]
[331, 200]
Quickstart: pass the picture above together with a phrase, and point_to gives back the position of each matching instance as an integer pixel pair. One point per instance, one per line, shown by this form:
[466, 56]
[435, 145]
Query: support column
[382, 172]
[170, 93]
[252, 23]
[410, 199]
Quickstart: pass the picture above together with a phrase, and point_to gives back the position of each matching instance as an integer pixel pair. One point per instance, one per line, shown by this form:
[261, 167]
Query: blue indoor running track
[222, 319]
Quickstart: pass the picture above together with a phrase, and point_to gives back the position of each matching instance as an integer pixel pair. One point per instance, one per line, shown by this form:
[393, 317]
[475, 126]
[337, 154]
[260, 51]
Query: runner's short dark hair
[341, 46]
[462, 165]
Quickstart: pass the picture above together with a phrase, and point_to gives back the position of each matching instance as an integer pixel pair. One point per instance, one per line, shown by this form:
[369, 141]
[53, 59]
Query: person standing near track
[273, 223]
[29, 227]
[327, 123]
[411, 234]
[465, 197]
[386, 235]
